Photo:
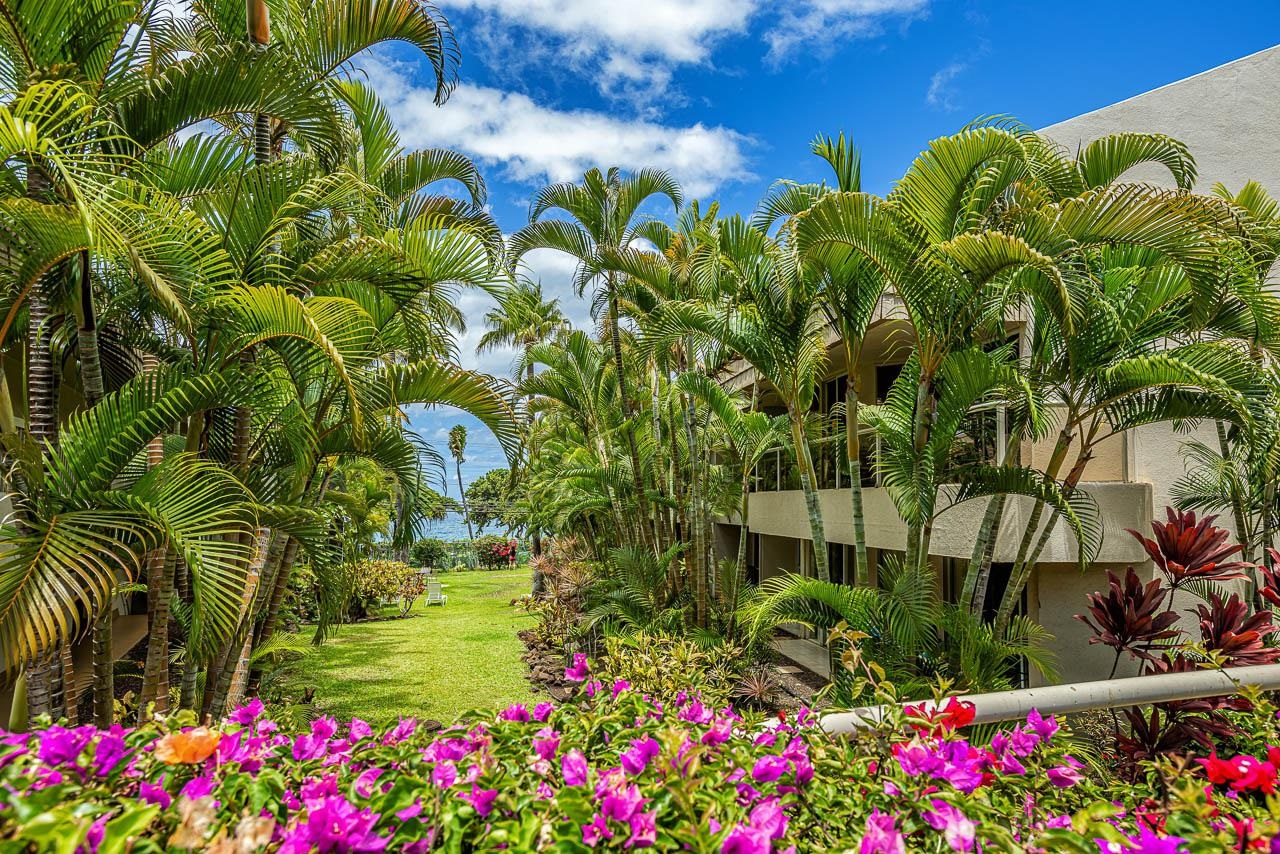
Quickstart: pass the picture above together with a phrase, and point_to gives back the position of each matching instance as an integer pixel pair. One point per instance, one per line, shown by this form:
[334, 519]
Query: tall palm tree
[602, 210]
[458, 450]
[522, 318]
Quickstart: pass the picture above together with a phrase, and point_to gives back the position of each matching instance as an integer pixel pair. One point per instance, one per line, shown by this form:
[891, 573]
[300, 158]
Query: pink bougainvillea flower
[881, 835]
[1255, 775]
[546, 743]
[596, 831]
[619, 686]
[579, 671]
[334, 824]
[1046, 728]
[248, 713]
[542, 711]
[481, 799]
[198, 787]
[1066, 775]
[638, 756]
[1219, 771]
[768, 817]
[62, 746]
[574, 767]
[515, 712]
[400, 731]
[644, 829]
[956, 828]
[1146, 842]
[359, 730]
[720, 731]
[110, 751]
[744, 839]
[154, 793]
[769, 768]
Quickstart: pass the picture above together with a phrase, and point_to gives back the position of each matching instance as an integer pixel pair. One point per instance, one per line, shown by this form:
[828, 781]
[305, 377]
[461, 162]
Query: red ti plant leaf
[1227, 626]
[1269, 587]
[1185, 550]
[1130, 616]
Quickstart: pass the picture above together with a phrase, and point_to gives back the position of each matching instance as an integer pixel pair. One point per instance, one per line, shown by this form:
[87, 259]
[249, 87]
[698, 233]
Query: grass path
[435, 664]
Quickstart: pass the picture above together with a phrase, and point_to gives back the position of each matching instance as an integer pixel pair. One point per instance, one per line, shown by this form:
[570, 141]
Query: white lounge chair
[434, 594]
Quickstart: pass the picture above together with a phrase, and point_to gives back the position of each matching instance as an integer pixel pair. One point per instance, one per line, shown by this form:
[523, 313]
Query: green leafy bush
[378, 582]
[667, 667]
[429, 552]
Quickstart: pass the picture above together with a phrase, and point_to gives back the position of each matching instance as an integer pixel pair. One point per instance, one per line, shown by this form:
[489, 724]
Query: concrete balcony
[1120, 506]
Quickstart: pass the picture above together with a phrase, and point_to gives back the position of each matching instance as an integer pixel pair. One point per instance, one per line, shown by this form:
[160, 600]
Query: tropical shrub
[494, 552]
[667, 668]
[377, 582]
[429, 552]
[612, 770]
[1192, 559]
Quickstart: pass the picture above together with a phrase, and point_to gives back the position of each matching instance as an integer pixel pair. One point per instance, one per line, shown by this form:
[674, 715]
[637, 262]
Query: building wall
[1226, 116]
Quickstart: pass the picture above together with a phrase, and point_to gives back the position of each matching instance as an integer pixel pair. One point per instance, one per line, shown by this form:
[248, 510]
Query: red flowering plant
[1139, 619]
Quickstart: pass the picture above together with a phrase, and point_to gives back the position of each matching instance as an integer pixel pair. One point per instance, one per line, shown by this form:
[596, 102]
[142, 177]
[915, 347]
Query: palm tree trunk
[66, 699]
[978, 576]
[162, 566]
[217, 693]
[615, 341]
[462, 496]
[853, 447]
[808, 483]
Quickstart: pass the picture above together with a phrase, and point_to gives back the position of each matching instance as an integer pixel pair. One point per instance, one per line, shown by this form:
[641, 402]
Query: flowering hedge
[611, 770]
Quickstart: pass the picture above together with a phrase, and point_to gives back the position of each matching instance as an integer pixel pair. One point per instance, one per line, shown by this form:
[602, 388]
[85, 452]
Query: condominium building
[1228, 117]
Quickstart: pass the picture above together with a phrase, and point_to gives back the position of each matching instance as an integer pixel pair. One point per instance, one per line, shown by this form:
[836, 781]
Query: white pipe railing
[1084, 696]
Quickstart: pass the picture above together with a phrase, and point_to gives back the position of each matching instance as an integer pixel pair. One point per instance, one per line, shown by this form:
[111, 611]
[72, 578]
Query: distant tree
[491, 498]
[429, 551]
[458, 449]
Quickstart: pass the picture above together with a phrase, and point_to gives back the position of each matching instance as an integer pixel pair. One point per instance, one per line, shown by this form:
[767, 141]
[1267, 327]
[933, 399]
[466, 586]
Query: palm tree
[602, 210]
[458, 449]
[853, 284]
[777, 328]
[523, 318]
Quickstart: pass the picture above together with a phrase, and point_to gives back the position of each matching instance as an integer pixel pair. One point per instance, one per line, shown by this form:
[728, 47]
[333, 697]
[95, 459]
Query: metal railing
[1086, 696]
[777, 471]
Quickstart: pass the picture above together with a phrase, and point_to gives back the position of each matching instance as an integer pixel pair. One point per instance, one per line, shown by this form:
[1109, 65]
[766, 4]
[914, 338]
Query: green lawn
[435, 664]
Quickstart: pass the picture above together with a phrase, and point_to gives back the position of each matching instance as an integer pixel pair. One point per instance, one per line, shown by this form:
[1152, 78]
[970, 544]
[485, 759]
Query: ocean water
[452, 527]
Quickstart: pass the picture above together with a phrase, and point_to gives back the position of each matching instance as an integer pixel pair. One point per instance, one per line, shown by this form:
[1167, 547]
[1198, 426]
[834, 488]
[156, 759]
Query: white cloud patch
[819, 26]
[941, 93]
[534, 143]
[629, 48]
[632, 48]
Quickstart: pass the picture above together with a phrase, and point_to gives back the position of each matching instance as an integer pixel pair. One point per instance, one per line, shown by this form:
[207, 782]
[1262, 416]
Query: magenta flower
[481, 799]
[769, 768]
[1046, 728]
[1067, 775]
[110, 752]
[154, 793]
[444, 775]
[720, 731]
[622, 802]
[638, 756]
[401, 731]
[248, 713]
[542, 711]
[881, 835]
[579, 671]
[619, 686]
[198, 787]
[574, 767]
[333, 824]
[644, 829]
[97, 833]
[359, 730]
[546, 743]
[768, 817]
[61, 746]
[695, 712]
[1146, 842]
[515, 712]
[743, 839]
[957, 829]
[596, 831]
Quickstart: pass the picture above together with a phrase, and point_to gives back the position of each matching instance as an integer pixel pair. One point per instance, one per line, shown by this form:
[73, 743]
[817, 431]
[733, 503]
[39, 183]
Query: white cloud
[941, 94]
[631, 49]
[534, 143]
[628, 48]
[818, 25]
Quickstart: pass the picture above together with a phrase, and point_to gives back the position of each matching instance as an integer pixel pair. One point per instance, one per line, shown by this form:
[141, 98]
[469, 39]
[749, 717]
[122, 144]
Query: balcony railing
[982, 438]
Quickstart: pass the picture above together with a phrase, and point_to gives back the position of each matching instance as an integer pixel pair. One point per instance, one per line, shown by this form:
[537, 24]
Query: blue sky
[727, 93]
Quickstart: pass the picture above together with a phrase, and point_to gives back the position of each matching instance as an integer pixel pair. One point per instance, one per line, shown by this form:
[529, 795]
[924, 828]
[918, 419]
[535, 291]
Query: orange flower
[187, 747]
